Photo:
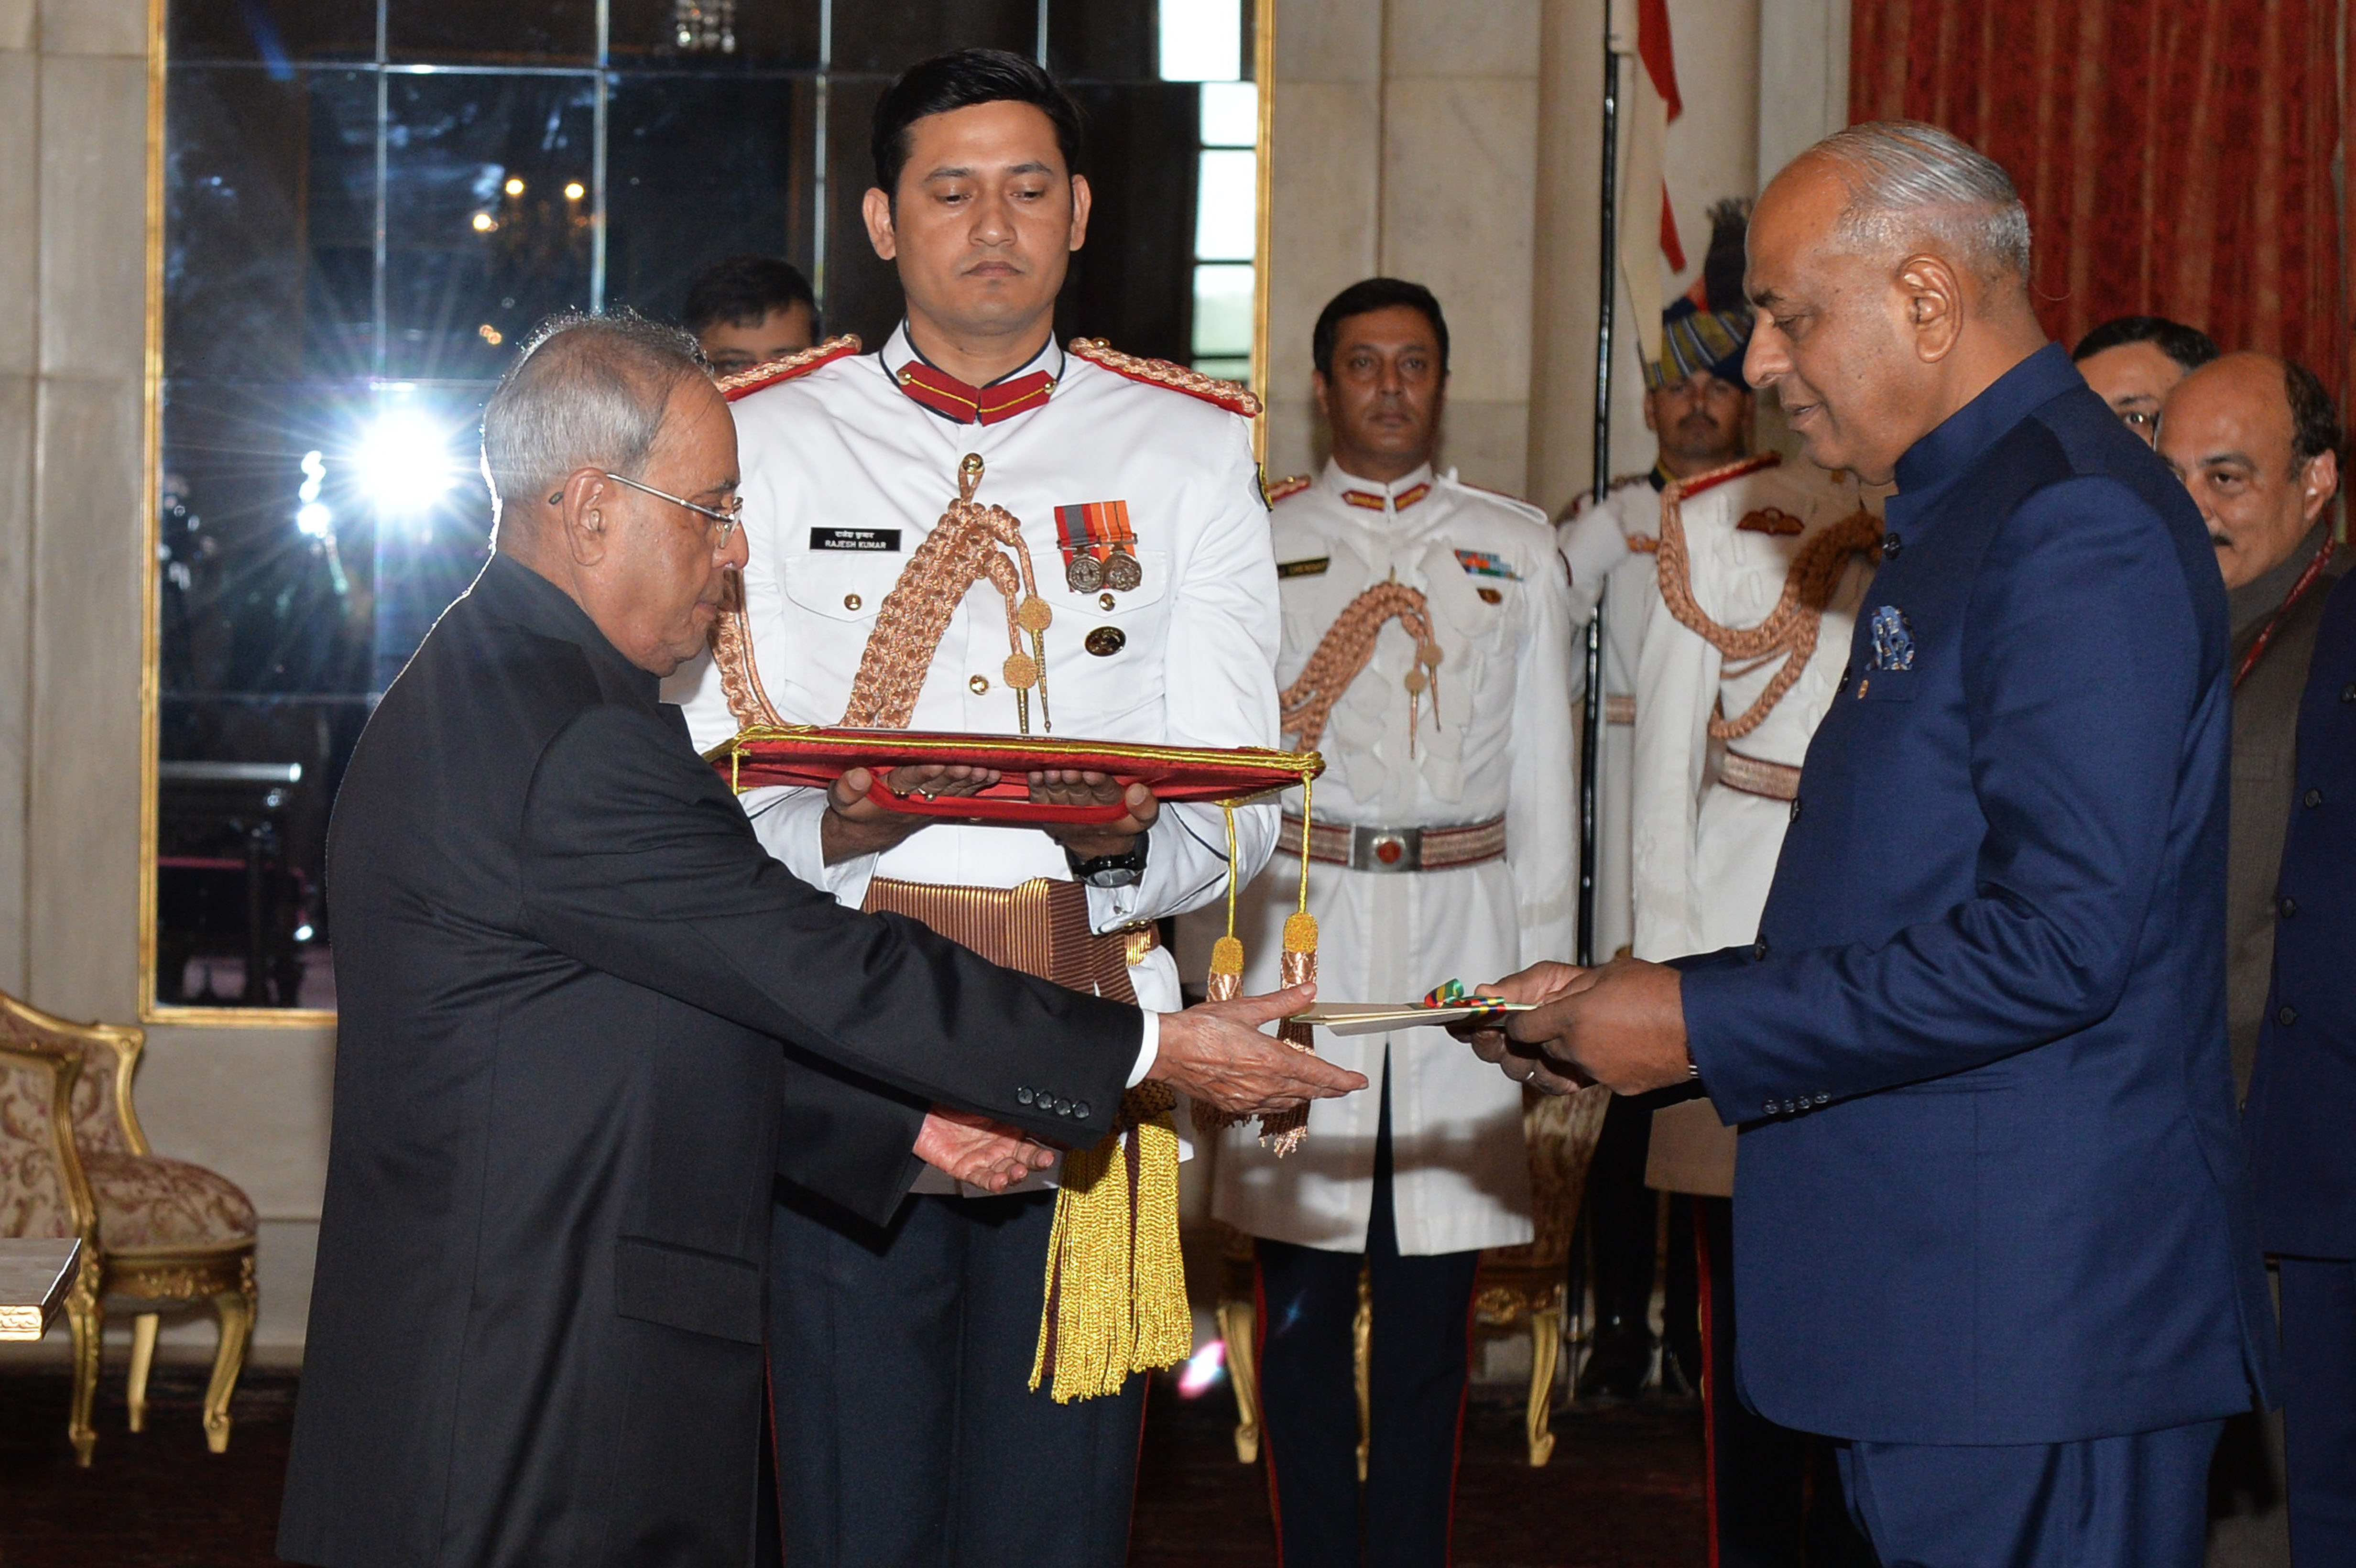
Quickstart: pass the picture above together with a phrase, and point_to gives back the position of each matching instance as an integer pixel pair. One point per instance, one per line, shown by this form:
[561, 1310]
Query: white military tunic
[1705, 852]
[1596, 542]
[1499, 745]
[845, 476]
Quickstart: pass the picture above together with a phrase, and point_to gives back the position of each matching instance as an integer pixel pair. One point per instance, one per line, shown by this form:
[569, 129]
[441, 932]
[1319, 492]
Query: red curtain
[2177, 156]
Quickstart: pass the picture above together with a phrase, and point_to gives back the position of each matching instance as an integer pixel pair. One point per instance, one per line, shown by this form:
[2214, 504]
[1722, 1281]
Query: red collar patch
[945, 394]
[1400, 503]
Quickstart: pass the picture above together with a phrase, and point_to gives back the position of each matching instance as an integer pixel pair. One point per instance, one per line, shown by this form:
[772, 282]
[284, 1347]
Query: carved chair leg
[87, 1317]
[143, 1357]
[1546, 1352]
[1239, 1327]
[1362, 1340]
[236, 1309]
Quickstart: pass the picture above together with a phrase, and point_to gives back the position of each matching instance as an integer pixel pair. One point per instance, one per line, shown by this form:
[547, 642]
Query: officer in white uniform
[900, 1357]
[1700, 411]
[1441, 843]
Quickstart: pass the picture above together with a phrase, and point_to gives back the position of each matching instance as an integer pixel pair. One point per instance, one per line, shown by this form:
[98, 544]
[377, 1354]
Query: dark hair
[2189, 346]
[962, 79]
[1363, 298]
[2314, 423]
[740, 290]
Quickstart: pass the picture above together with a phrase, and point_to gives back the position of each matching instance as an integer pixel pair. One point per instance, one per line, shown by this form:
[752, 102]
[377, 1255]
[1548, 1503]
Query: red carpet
[1624, 1488]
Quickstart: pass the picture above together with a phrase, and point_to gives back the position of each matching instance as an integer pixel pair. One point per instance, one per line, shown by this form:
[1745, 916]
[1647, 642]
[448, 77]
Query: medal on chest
[1099, 547]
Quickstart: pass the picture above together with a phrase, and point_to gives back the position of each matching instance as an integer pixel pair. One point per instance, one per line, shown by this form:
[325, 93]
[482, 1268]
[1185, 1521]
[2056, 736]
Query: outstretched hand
[978, 1151]
[1623, 1026]
[1215, 1052]
[854, 825]
[1527, 1063]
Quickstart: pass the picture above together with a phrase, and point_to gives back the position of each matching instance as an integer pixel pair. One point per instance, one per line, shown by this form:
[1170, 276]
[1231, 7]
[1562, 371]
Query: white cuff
[1148, 1051]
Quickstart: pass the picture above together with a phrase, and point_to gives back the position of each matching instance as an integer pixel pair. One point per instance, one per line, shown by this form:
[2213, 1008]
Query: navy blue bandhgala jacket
[1992, 1188]
[2305, 1082]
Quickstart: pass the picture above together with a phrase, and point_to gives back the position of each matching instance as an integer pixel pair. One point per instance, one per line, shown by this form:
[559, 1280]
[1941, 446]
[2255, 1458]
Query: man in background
[2255, 440]
[1443, 841]
[2132, 362]
[1700, 411]
[2297, 1116]
[750, 310]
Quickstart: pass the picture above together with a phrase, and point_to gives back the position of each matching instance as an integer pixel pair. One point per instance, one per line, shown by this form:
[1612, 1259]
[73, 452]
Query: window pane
[492, 32]
[1226, 206]
[1201, 40]
[1101, 40]
[268, 192]
[1230, 114]
[489, 217]
[890, 35]
[768, 34]
[1131, 282]
[1237, 369]
[1223, 310]
[698, 168]
[274, 32]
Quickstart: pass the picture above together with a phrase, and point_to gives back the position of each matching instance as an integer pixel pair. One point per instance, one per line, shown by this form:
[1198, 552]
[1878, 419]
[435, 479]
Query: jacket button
[1824, 1099]
[1063, 1107]
[2288, 906]
[978, 685]
[1771, 1108]
[2311, 799]
[1795, 809]
[1759, 950]
[851, 601]
[1891, 545]
[1025, 1096]
[2286, 1015]
[2348, 692]
[1080, 1109]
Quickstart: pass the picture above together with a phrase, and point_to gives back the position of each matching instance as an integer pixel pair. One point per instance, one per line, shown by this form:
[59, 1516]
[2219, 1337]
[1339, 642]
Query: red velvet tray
[815, 756]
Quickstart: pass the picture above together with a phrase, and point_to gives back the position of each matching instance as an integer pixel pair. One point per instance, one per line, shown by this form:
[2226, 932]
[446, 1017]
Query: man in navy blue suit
[1994, 1230]
[2299, 1098]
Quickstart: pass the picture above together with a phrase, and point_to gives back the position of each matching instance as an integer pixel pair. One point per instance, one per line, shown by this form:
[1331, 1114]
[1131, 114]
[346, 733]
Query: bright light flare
[575, 191]
[1203, 1370]
[514, 185]
[405, 463]
[484, 223]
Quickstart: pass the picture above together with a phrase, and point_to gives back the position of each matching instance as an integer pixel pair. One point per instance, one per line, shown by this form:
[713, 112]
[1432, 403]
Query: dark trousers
[1418, 1352]
[1774, 1494]
[2319, 1364]
[906, 1435]
[2138, 1502]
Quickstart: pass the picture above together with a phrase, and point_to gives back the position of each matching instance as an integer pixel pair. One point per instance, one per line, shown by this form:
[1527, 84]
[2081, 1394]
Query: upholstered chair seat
[74, 1162]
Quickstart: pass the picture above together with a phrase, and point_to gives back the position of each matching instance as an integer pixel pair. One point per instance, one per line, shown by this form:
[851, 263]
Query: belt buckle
[1386, 849]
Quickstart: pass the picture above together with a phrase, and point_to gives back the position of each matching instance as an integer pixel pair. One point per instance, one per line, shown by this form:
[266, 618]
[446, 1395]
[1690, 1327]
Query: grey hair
[1908, 181]
[586, 391]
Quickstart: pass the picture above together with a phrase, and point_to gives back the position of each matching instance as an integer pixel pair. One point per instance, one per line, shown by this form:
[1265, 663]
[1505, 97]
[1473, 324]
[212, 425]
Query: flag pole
[1590, 717]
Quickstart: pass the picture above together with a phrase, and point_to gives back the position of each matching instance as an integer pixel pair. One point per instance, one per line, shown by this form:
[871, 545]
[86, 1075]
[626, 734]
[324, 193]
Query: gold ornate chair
[73, 1162]
[1520, 1287]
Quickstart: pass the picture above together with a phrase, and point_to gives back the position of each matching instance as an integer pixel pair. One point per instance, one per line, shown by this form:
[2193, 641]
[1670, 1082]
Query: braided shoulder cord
[1790, 629]
[1343, 652]
[964, 547]
[732, 653]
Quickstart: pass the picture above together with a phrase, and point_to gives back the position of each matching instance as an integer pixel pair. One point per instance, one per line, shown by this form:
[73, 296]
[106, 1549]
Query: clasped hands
[1621, 1024]
[1212, 1051]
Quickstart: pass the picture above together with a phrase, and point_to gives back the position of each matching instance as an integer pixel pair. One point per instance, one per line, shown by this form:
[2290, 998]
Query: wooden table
[34, 1278]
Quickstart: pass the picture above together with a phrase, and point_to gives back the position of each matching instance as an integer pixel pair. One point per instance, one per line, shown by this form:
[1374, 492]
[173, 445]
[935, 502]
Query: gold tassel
[1116, 1280]
[1225, 985]
[1283, 1132]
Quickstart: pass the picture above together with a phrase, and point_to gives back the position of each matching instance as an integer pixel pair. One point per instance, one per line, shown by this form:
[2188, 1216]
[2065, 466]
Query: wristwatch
[1122, 870]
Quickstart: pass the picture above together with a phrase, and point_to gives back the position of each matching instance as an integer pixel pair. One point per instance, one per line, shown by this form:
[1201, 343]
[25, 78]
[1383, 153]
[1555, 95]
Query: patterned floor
[1624, 1487]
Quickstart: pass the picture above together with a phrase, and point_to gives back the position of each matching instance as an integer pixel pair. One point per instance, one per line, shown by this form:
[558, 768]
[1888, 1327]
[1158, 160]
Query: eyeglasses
[727, 516]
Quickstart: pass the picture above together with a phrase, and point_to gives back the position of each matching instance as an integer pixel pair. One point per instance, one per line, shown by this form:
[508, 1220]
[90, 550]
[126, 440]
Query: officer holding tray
[1427, 653]
[923, 1411]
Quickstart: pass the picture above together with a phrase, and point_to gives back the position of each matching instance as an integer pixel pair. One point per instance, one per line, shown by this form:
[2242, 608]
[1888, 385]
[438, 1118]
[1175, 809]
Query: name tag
[1314, 566]
[855, 539]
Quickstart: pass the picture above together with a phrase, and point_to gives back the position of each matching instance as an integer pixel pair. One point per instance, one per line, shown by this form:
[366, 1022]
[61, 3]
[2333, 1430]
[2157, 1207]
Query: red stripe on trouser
[1259, 1365]
[1456, 1459]
[1709, 1374]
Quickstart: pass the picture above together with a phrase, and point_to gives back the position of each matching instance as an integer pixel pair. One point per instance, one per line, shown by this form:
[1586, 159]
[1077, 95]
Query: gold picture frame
[152, 1010]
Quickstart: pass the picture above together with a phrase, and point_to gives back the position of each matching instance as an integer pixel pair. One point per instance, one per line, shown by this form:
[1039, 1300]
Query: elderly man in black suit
[578, 998]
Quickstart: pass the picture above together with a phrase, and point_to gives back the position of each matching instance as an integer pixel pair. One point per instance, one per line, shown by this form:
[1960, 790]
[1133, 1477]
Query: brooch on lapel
[1893, 639]
[1771, 521]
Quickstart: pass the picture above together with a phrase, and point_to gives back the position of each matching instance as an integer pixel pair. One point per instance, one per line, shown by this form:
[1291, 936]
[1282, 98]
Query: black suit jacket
[565, 968]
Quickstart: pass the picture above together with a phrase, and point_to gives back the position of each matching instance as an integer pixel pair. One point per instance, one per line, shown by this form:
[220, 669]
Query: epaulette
[1292, 486]
[1527, 508]
[744, 383]
[1236, 399]
[1693, 486]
